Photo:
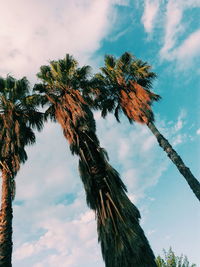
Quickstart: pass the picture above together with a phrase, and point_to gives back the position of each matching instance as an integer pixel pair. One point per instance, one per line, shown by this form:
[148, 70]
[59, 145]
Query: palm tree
[18, 117]
[123, 242]
[124, 86]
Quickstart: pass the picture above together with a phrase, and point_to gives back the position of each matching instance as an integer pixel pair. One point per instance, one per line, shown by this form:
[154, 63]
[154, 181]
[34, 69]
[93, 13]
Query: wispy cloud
[170, 18]
[180, 121]
[177, 46]
[173, 27]
[189, 49]
[174, 130]
[151, 8]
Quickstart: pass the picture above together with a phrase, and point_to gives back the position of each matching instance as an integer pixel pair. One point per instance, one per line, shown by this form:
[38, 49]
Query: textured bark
[6, 222]
[176, 159]
[122, 240]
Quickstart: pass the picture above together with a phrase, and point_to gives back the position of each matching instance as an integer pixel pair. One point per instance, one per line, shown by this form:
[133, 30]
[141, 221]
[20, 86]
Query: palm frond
[110, 62]
[50, 113]
[114, 90]
[18, 117]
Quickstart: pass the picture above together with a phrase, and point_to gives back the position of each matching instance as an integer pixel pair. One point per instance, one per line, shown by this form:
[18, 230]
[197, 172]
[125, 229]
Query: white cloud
[121, 2]
[174, 130]
[190, 48]
[151, 232]
[177, 140]
[33, 32]
[123, 148]
[175, 47]
[131, 178]
[151, 8]
[168, 237]
[173, 27]
[171, 19]
[198, 131]
[180, 122]
[69, 242]
[149, 143]
[46, 168]
[178, 126]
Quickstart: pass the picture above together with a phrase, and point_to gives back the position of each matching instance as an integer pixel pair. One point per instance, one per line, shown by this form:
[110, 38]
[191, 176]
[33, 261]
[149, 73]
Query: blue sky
[52, 224]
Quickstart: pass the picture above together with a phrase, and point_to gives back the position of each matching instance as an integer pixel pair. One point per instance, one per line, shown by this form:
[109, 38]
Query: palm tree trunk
[6, 222]
[176, 159]
[122, 240]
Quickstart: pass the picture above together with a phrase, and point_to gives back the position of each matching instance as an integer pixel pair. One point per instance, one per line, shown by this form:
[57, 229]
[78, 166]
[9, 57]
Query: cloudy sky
[52, 224]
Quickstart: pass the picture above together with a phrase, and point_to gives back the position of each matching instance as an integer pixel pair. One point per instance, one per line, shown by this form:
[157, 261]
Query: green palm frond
[10, 83]
[70, 63]
[50, 113]
[2, 85]
[83, 73]
[110, 62]
[124, 61]
[117, 111]
[130, 75]
[45, 73]
[18, 117]
[62, 76]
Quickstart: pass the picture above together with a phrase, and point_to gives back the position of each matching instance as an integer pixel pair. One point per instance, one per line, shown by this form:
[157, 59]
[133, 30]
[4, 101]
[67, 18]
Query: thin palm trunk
[176, 159]
[123, 242]
[134, 104]
[6, 215]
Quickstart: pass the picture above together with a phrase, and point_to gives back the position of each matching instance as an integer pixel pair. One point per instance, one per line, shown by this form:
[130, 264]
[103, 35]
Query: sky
[52, 225]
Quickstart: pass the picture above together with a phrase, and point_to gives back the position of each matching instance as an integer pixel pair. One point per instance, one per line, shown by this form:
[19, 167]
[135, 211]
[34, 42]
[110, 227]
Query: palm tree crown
[62, 87]
[18, 117]
[124, 85]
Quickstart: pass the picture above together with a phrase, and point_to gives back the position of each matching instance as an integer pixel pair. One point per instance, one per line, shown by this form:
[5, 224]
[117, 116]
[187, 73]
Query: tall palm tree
[18, 117]
[123, 242]
[124, 86]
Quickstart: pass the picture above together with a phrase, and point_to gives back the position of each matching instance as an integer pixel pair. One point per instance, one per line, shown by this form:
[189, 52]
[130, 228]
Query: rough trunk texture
[6, 222]
[122, 240]
[176, 159]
